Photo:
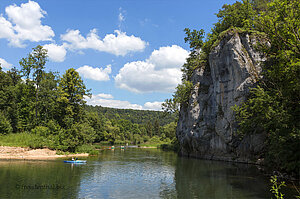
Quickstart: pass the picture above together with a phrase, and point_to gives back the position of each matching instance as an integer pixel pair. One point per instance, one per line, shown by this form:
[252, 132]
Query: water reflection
[128, 174]
[132, 173]
[38, 179]
[212, 179]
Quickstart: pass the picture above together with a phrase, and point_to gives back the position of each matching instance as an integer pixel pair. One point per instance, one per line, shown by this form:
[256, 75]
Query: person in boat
[72, 158]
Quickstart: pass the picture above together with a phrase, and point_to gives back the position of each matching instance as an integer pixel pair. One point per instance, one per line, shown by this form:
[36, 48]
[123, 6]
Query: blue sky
[129, 52]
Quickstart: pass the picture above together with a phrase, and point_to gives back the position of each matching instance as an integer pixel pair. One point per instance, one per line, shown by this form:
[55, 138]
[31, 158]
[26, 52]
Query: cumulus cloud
[156, 106]
[5, 64]
[168, 57]
[56, 53]
[102, 100]
[6, 29]
[24, 23]
[118, 44]
[98, 74]
[107, 100]
[105, 96]
[160, 73]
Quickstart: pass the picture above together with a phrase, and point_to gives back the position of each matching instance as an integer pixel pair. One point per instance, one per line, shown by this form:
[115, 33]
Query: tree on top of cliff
[273, 108]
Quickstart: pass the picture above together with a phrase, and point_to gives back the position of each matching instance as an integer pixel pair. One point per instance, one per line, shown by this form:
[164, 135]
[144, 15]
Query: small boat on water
[75, 161]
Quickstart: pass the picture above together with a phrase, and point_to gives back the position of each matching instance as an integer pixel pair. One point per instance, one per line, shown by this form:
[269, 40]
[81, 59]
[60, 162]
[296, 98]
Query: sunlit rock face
[207, 127]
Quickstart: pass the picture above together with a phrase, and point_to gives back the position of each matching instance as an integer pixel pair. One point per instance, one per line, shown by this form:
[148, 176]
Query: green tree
[149, 129]
[259, 5]
[77, 135]
[156, 128]
[26, 106]
[180, 98]
[5, 126]
[36, 61]
[97, 121]
[170, 130]
[6, 96]
[48, 97]
[71, 98]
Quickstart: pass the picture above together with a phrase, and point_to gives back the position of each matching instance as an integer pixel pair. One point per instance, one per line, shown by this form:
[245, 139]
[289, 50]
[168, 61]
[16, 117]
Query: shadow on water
[39, 179]
[214, 179]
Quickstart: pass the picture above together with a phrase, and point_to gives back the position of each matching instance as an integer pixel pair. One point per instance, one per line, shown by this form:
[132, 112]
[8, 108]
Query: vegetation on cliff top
[272, 108]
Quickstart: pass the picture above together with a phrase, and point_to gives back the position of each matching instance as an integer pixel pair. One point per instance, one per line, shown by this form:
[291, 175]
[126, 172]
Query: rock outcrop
[207, 126]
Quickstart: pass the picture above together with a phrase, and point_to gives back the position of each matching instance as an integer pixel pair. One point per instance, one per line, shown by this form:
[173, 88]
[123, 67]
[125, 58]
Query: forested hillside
[134, 116]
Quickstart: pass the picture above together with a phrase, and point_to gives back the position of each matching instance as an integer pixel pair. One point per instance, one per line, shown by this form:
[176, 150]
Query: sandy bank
[7, 152]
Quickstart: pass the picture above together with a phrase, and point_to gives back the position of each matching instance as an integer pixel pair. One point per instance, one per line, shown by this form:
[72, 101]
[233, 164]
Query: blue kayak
[75, 161]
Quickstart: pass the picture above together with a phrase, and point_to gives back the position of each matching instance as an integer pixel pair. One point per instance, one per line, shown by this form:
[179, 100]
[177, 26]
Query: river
[131, 173]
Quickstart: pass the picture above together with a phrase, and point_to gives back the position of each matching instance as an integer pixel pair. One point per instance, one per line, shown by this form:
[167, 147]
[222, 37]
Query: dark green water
[133, 173]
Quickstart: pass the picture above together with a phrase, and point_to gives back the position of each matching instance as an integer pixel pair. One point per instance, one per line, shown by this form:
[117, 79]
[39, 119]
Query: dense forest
[43, 109]
[134, 116]
[272, 107]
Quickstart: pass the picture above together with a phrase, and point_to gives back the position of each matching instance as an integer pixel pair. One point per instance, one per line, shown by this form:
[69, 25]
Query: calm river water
[131, 173]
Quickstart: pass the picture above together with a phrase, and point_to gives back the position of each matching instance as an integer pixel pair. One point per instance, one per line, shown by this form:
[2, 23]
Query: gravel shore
[7, 152]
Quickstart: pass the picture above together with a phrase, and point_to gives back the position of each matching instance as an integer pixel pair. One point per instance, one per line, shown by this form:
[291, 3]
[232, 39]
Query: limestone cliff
[207, 127]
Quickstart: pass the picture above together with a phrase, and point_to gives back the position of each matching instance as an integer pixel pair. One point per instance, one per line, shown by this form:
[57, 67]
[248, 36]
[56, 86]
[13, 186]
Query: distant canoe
[75, 161]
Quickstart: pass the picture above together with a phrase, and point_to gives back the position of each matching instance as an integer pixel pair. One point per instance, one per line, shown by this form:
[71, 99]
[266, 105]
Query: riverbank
[26, 153]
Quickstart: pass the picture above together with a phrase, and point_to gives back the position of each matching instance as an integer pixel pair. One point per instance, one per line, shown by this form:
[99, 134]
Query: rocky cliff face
[207, 127]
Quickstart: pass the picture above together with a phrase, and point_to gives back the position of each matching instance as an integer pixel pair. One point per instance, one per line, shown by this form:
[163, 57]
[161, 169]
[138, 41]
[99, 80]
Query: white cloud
[102, 101]
[160, 73]
[117, 44]
[56, 53]
[107, 100]
[156, 106]
[24, 23]
[105, 96]
[121, 17]
[6, 29]
[168, 57]
[5, 64]
[98, 74]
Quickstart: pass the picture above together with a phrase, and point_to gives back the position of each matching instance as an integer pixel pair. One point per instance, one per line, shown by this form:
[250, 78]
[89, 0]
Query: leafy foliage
[71, 93]
[273, 108]
[36, 61]
[275, 189]
[5, 126]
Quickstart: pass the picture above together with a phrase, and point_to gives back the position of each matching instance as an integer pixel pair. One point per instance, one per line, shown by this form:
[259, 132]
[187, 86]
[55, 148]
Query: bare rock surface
[207, 127]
